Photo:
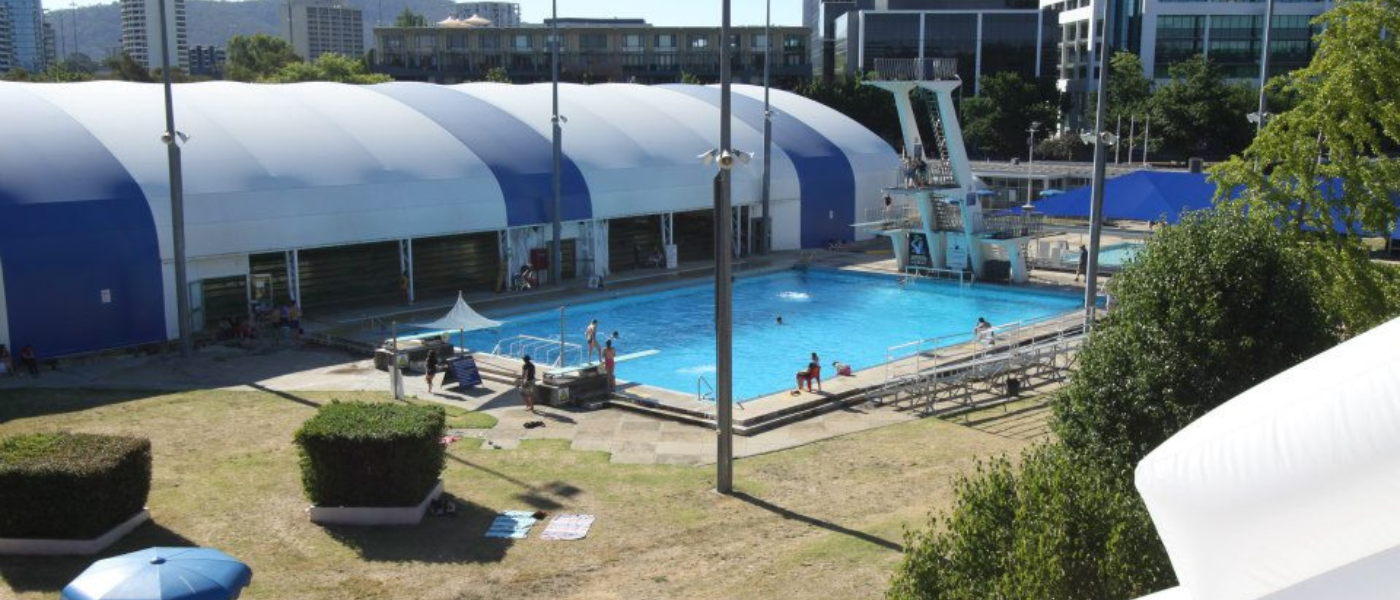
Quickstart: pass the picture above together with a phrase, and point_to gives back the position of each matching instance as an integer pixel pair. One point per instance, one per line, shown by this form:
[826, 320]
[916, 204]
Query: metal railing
[914, 69]
[896, 216]
[545, 351]
[702, 384]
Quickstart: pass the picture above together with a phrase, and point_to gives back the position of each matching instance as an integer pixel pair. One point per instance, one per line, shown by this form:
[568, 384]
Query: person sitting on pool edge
[842, 369]
[812, 372]
[983, 330]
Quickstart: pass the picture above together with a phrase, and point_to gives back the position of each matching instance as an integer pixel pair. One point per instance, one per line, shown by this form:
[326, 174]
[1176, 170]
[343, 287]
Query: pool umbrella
[162, 574]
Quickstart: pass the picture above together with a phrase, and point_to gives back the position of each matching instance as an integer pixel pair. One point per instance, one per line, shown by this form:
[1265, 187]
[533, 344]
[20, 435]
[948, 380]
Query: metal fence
[914, 69]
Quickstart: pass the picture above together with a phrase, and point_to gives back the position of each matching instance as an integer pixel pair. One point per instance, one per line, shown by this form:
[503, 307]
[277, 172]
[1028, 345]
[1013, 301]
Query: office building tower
[141, 32]
[500, 14]
[315, 27]
[22, 35]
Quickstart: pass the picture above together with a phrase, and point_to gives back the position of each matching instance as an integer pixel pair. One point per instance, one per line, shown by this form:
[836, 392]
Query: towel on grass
[514, 524]
[567, 527]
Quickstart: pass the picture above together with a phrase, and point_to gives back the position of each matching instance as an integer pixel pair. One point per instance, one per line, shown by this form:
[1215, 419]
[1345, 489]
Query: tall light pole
[1030, 159]
[766, 243]
[556, 253]
[1264, 66]
[724, 346]
[1091, 283]
[1146, 137]
[172, 139]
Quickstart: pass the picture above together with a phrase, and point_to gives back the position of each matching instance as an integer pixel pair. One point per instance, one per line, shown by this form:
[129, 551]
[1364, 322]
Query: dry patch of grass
[821, 521]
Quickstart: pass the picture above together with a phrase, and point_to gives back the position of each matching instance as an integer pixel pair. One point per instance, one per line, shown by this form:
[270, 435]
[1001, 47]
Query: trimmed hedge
[371, 454]
[71, 485]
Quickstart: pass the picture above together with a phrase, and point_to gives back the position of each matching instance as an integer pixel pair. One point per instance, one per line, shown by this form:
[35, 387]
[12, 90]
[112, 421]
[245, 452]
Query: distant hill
[99, 29]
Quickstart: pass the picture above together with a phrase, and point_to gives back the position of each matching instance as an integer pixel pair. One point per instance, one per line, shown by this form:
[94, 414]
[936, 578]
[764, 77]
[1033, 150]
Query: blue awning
[1137, 196]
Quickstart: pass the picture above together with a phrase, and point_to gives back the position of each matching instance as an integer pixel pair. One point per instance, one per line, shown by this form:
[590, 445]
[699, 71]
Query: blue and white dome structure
[86, 259]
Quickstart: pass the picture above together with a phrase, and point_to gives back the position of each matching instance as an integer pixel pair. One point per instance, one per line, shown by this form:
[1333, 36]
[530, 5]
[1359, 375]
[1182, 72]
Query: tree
[1198, 114]
[327, 67]
[257, 56]
[1344, 128]
[497, 75]
[998, 118]
[689, 78]
[78, 61]
[1212, 306]
[408, 18]
[870, 106]
[125, 68]
[1052, 527]
[1129, 91]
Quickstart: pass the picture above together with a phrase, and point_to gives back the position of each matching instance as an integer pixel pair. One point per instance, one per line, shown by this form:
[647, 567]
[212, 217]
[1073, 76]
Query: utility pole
[556, 253]
[172, 139]
[1091, 291]
[724, 346]
[1030, 160]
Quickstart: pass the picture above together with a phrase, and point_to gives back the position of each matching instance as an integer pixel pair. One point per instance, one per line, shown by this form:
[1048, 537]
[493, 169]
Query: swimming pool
[1113, 255]
[842, 316]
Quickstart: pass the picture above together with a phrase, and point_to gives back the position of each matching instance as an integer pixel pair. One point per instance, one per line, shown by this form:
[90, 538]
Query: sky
[656, 12]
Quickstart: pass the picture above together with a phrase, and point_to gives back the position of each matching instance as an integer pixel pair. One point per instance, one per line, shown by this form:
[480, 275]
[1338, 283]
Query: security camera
[165, 137]
[726, 160]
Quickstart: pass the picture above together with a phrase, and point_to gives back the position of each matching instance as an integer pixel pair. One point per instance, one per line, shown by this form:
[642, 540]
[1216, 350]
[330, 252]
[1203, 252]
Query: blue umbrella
[1050, 192]
[162, 574]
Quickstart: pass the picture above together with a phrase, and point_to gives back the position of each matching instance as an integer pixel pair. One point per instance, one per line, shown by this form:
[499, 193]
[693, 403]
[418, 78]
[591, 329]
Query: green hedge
[371, 454]
[71, 485]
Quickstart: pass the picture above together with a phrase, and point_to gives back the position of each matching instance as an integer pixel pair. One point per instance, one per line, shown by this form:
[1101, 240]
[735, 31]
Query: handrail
[928, 348]
[700, 397]
[544, 350]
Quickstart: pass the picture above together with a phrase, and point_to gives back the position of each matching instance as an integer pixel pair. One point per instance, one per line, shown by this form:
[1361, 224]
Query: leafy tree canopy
[125, 68]
[258, 56]
[498, 75]
[327, 67]
[59, 72]
[1344, 127]
[1052, 527]
[1198, 114]
[997, 120]
[1209, 308]
[867, 105]
[408, 18]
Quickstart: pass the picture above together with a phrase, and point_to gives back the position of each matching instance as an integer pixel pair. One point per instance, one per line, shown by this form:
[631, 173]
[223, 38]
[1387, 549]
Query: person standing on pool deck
[610, 364]
[591, 336]
[431, 366]
[527, 383]
[1083, 263]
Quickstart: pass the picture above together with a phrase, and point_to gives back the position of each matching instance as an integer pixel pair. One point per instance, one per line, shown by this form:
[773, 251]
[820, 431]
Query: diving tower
[949, 232]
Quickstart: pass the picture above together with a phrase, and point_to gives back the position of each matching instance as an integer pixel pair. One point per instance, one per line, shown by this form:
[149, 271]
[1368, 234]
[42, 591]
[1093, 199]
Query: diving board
[595, 363]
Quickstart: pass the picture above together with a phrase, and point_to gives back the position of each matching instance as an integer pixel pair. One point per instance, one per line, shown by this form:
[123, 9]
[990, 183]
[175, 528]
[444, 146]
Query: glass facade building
[984, 36]
[23, 30]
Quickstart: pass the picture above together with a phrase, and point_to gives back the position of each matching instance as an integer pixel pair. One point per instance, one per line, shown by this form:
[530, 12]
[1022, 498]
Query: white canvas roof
[461, 318]
[1290, 490]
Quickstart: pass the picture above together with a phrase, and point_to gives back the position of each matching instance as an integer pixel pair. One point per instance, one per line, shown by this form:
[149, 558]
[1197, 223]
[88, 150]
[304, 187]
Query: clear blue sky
[656, 12]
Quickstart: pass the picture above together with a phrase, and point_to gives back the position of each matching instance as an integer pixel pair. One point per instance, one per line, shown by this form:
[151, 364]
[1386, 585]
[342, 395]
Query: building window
[425, 42]
[550, 41]
[593, 41]
[393, 42]
[794, 43]
[664, 42]
[520, 42]
[699, 41]
[632, 42]
[490, 41]
[758, 42]
[456, 42]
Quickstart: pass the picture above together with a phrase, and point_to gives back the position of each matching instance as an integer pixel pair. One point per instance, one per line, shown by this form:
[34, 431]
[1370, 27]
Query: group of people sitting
[813, 373]
[525, 279]
[656, 259]
[28, 361]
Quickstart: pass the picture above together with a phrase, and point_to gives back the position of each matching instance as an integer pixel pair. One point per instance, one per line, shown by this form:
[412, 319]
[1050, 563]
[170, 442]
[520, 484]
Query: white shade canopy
[461, 318]
[1290, 490]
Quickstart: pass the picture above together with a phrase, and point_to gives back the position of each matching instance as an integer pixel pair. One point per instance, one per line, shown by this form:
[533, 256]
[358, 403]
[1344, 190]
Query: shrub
[1051, 528]
[1209, 308]
[71, 485]
[371, 454]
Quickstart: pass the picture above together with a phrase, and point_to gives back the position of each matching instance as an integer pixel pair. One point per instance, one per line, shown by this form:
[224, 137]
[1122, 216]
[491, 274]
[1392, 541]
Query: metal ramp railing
[940, 171]
[545, 351]
[925, 374]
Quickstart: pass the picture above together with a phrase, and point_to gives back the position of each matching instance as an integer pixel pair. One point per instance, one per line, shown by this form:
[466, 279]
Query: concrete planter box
[52, 547]
[374, 515]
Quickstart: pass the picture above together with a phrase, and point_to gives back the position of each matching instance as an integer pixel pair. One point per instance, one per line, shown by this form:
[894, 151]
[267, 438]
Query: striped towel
[567, 527]
[514, 524]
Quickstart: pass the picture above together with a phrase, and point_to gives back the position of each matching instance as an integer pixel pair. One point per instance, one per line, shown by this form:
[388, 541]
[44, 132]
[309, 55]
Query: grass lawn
[820, 521]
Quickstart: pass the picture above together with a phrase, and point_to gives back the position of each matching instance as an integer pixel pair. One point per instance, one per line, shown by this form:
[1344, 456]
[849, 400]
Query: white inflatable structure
[1292, 489]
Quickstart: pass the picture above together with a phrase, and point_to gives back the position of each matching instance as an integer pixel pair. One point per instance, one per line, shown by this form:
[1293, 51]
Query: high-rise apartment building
[315, 27]
[21, 35]
[141, 32]
[207, 61]
[500, 14]
[50, 44]
[1165, 32]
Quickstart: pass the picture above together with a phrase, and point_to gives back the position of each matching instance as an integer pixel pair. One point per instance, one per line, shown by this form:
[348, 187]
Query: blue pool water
[848, 317]
[1114, 255]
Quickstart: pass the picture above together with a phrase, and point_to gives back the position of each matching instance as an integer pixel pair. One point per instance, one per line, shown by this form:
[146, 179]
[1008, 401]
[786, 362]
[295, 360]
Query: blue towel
[514, 524]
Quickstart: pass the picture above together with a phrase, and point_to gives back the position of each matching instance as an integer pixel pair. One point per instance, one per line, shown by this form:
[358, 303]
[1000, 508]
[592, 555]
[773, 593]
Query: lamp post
[556, 252]
[724, 347]
[1030, 162]
[1146, 138]
[767, 241]
[1264, 66]
[172, 139]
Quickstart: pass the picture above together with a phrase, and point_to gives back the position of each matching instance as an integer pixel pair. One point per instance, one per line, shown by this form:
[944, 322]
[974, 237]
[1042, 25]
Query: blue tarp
[1137, 196]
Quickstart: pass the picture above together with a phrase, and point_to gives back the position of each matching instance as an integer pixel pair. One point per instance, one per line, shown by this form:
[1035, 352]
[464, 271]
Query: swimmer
[780, 319]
